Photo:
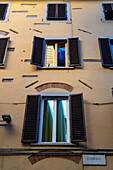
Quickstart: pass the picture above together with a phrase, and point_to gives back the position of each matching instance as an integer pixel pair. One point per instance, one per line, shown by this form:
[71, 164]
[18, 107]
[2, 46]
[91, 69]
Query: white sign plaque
[94, 160]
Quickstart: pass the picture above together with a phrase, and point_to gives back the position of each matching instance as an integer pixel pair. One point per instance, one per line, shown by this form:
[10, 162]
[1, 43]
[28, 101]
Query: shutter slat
[31, 119]
[74, 55]
[38, 51]
[3, 49]
[105, 52]
[77, 122]
[62, 11]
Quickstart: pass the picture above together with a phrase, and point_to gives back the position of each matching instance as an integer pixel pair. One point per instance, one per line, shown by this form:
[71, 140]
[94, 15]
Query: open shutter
[78, 133]
[51, 11]
[3, 49]
[74, 55]
[3, 10]
[31, 119]
[105, 52]
[38, 51]
[62, 11]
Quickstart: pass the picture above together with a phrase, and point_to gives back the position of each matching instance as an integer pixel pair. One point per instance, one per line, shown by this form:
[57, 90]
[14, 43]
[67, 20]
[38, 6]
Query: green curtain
[47, 122]
[61, 121]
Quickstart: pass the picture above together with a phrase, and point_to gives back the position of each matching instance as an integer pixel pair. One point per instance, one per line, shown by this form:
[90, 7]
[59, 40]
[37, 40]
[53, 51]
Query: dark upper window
[106, 51]
[52, 53]
[4, 11]
[57, 12]
[54, 119]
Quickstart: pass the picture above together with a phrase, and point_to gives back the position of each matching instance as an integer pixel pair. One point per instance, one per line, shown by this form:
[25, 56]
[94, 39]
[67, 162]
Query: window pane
[61, 55]
[61, 121]
[48, 121]
[62, 11]
[51, 11]
[50, 56]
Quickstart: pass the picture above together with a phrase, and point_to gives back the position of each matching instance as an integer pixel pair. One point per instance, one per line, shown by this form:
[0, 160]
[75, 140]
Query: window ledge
[53, 144]
[51, 68]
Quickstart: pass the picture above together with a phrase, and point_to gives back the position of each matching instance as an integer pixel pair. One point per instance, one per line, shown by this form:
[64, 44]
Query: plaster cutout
[4, 32]
[42, 24]
[37, 31]
[13, 31]
[10, 49]
[54, 85]
[29, 76]
[28, 4]
[7, 80]
[19, 11]
[85, 31]
[92, 60]
[85, 84]
[31, 16]
[31, 84]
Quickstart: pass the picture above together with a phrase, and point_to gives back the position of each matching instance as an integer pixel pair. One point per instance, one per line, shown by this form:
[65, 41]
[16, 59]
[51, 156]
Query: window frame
[54, 124]
[7, 12]
[67, 12]
[102, 11]
[71, 64]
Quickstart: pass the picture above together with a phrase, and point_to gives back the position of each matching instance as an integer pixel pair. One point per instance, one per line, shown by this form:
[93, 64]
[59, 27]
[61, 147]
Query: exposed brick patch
[54, 154]
[54, 85]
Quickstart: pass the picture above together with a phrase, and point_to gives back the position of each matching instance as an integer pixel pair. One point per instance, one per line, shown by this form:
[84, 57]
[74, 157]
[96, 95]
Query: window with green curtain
[54, 121]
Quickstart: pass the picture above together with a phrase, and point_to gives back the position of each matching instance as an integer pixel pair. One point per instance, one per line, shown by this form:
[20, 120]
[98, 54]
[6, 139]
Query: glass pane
[61, 121]
[48, 121]
[61, 55]
[50, 56]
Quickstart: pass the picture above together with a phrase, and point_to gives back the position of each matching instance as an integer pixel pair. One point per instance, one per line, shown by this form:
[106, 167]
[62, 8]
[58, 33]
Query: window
[52, 53]
[54, 118]
[106, 51]
[57, 12]
[4, 11]
[3, 50]
[107, 11]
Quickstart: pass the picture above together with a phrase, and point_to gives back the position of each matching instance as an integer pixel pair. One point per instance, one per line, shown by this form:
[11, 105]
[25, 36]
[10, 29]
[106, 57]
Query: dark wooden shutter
[74, 55]
[31, 119]
[51, 11]
[3, 49]
[62, 11]
[77, 122]
[3, 10]
[105, 52]
[38, 51]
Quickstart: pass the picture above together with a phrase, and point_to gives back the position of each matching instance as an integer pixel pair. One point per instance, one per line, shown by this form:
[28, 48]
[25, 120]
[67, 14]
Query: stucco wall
[99, 119]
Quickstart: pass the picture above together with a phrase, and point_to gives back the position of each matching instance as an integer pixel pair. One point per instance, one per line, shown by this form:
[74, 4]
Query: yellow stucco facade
[84, 15]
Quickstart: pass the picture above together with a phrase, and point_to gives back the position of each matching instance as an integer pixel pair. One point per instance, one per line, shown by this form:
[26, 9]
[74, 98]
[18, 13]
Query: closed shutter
[31, 119]
[77, 122]
[74, 55]
[51, 11]
[3, 49]
[3, 10]
[62, 11]
[105, 52]
[38, 51]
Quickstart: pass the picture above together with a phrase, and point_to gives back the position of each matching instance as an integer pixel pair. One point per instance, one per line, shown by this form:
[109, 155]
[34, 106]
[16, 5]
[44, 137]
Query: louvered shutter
[31, 119]
[62, 11]
[77, 122]
[3, 49]
[3, 10]
[74, 55]
[51, 11]
[105, 52]
[38, 51]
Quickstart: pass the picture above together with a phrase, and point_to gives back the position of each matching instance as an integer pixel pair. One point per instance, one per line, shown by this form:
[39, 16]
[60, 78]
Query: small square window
[4, 11]
[55, 53]
[107, 11]
[57, 12]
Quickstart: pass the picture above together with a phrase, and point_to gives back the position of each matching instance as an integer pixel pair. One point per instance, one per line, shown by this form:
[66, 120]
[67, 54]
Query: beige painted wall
[99, 119]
